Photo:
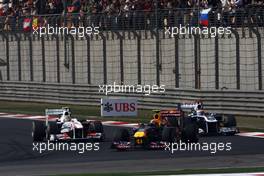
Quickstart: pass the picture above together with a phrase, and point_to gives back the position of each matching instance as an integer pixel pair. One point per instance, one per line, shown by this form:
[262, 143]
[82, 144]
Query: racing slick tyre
[218, 117]
[169, 134]
[94, 127]
[229, 121]
[98, 127]
[38, 131]
[53, 128]
[172, 121]
[122, 135]
[190, 131]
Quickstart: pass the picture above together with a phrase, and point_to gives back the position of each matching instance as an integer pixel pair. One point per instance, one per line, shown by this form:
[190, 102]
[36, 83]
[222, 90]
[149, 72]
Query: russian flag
[204, 17]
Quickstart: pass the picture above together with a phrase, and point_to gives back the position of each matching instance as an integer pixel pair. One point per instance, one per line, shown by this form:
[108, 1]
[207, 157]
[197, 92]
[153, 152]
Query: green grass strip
[178, 172]
[82, 112]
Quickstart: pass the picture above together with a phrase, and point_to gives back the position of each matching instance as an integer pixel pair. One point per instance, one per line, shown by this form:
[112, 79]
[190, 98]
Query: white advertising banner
[118, 107]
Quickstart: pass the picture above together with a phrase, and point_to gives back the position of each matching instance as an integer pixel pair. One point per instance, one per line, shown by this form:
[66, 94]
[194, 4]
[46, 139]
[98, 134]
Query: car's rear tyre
[98, 127]
[53, 128]
[94, 126]
[169, 134]
[218, 117]
[190, 131]
[229, 121]
[38, 131]
[172, 121]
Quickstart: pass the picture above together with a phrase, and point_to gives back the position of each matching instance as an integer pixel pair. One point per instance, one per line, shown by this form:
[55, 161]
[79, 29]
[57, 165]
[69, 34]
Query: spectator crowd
[112, 13]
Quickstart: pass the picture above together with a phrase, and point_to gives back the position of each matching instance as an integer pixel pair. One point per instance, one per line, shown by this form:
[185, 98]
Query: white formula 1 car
[212, 124]
[65, 128]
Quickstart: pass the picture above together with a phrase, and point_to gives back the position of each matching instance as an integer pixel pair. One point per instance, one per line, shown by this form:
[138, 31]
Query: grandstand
[127, 14]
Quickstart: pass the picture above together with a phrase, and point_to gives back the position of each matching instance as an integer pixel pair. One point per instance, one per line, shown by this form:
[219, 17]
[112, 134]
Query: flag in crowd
[204, 17]
[27, 24]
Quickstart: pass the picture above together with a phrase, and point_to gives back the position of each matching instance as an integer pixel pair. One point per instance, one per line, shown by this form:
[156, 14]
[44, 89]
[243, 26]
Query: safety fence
[229, 61]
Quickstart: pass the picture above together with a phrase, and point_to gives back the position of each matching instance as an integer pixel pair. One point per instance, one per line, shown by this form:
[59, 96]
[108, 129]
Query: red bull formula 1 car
[166, 126]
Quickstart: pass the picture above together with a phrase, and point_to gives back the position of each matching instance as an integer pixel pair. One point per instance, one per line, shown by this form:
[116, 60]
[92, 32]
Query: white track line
[252, 134]
[227, 174]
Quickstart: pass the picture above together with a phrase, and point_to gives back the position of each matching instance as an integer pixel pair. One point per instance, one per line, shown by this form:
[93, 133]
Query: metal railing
[244, 103]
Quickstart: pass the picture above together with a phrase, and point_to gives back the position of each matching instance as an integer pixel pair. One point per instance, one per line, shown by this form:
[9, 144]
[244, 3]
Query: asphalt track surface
[18, 158]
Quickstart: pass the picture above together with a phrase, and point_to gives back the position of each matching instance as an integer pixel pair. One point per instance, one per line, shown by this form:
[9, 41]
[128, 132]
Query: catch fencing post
[88, 58]
[256, 32]
[237, 58]
[6, 38]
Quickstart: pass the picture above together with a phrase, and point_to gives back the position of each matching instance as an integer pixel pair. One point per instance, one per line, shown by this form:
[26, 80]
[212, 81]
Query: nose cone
[139, 134]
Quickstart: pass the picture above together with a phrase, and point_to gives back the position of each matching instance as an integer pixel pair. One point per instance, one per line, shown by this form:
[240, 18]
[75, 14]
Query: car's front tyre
[38, 131]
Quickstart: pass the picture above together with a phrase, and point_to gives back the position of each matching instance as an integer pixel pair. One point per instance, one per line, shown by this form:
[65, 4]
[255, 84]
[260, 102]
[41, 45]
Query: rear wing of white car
[49, 112]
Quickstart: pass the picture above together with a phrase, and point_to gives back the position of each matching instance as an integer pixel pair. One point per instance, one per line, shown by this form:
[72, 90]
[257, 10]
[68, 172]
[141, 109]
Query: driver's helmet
[198, 106]
[154, 122]
[66, 117]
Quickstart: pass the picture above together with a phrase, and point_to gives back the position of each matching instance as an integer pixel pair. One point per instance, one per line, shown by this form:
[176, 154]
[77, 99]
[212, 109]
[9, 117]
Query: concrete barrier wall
[37, 61]
[50, 61]
[148, 61]
[80, 62]
[167, 73]
[186, 63]
[97, 66]
[262, 52]
[227, 63]
[130, 62]
[13, 59]
[208, 63]
[3, 73]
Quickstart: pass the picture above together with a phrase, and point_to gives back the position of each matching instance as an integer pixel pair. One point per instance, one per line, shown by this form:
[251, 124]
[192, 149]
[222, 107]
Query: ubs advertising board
[118, 107]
